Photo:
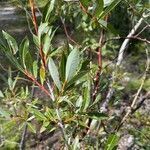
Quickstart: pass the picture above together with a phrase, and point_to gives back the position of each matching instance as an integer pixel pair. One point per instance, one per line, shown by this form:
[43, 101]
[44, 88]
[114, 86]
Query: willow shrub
[65, 74]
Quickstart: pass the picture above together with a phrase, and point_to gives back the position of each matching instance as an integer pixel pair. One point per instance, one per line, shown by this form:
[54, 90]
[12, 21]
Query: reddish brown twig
[67, 34]
[34, 20]
[33, 79]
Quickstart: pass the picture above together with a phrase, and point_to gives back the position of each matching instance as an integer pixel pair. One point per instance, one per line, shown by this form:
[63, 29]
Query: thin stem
[67, 34]
[137, 94]
[22, 143]
[34, 19]
[62, 128]
[33, 79]
[119, 61]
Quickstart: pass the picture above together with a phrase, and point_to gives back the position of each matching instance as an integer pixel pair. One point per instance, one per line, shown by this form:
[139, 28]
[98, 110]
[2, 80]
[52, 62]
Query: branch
[34, 20]
[130, 38]
[131, 108]
[142, 100]
[22, 143]
[147, 26]
[119, 61]
[67, 34]
[126, 42]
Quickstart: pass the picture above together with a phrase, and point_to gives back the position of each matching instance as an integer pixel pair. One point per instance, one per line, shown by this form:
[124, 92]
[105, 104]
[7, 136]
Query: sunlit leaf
[47, 44]
[42, 29]
[42, 74]
[11, 42]
[54, 73]
[72, 64]
[35, 69]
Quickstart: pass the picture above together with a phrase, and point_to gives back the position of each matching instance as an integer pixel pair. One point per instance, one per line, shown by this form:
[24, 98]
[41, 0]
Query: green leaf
[47, 44]
[23, 51]
[42, 74]
[31, 127]
[13, 60]
[63, 66]
[37, 114]
[110, 7]
[29, 62]
[54, 73]
[50, 9]
[35, 69]
[42, 29]
[99, 8]
[11, 42]
[87, 95]
[36, 40]
[76, 78]
[72, 64]
[96, 115]
[112, 141]
[103, 23]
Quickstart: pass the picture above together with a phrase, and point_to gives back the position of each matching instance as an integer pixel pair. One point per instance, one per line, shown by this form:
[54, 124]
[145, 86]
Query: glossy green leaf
[72, 64]
[99, 7]
[11, 42]
[54, 73]
[111, 142]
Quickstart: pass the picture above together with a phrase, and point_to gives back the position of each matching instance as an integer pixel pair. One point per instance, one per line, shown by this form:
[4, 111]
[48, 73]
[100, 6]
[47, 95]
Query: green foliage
[72, 84]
